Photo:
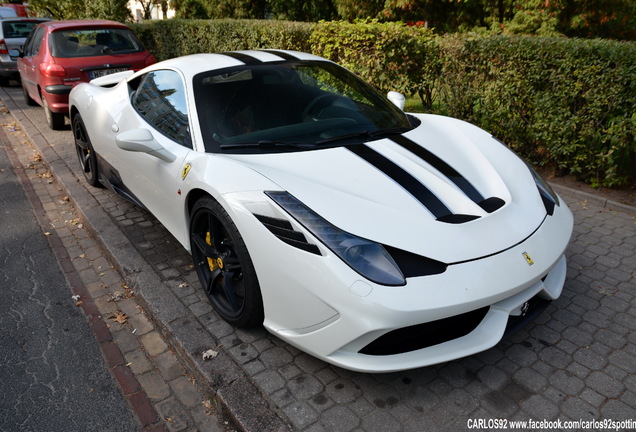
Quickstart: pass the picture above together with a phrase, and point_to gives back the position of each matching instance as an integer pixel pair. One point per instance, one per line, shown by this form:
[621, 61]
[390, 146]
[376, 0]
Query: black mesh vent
[284, 230]
[425, 335]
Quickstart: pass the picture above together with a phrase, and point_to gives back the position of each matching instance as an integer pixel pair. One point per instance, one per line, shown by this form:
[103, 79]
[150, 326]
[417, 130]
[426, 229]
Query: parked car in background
[58, 55]
[13, 33]
[7, 12]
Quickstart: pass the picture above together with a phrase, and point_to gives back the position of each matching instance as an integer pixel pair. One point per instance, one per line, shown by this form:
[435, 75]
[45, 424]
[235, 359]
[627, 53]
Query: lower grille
[425, 335]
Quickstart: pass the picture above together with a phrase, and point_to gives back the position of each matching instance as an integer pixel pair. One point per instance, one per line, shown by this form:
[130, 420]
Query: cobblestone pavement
[577, 361]
[163, 394]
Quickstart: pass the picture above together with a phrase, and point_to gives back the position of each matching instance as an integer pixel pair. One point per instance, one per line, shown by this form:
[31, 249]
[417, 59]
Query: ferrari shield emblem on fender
[526, 255]
[185, 171]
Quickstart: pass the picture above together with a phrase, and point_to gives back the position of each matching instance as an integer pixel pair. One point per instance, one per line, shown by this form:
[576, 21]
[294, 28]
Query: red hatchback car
[58, 55]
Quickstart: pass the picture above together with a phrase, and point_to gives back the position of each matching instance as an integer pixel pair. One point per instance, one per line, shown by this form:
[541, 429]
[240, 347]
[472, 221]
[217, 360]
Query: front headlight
[549, 197]
[366, 257]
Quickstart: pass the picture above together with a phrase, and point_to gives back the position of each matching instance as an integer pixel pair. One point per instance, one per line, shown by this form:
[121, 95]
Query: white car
[370, 238]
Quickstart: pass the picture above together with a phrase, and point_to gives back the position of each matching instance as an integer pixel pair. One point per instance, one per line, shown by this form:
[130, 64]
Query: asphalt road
[52, 374]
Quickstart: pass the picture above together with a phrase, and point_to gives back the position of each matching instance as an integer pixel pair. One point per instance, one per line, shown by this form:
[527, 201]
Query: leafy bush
[392, 56]
[173, 38]
[565, 101]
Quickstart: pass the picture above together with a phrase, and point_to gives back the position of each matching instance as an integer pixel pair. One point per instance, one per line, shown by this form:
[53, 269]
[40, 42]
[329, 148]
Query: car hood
[390, 190]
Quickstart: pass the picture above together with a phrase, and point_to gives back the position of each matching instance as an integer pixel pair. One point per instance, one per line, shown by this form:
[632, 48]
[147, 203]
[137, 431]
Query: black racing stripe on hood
[460, 181]
[404, 179]
[247, 59]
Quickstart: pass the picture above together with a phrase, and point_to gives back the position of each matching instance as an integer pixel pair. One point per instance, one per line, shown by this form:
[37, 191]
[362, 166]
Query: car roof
[67, 24]
[195, 63]
[39, 19]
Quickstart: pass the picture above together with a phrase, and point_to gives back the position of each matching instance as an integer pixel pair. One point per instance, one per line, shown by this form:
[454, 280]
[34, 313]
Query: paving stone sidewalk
[576, 362]
[165, 395]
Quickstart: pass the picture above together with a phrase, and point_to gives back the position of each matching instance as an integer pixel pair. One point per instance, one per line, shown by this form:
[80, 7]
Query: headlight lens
[368, 258]
[549, 197]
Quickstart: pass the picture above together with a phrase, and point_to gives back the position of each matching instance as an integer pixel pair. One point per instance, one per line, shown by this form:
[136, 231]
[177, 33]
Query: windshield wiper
[267, 143]
[370, 135]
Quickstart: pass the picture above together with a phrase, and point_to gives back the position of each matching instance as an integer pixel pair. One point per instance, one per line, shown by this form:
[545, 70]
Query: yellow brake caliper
[212, 263]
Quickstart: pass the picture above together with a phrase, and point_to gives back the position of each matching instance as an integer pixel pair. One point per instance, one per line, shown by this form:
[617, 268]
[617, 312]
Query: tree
[351, 9]
[191, 9]
[146, 7]
[301, 10]
[59, 9]
[116, 10]
[600, 18]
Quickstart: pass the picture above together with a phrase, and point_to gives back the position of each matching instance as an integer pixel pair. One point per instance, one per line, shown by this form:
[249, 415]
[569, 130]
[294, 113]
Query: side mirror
[141, 140]
[397, 98]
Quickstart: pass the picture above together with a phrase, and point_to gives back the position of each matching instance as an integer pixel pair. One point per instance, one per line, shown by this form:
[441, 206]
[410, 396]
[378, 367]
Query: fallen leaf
[119, 317]
[209, 408]
[210, 354]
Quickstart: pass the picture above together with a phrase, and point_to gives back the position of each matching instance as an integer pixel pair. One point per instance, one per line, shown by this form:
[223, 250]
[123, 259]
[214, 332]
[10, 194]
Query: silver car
[13, 32]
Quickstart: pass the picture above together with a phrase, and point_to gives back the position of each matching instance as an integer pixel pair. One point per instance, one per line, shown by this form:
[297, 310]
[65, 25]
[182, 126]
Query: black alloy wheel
[224, 266]
[85, 153]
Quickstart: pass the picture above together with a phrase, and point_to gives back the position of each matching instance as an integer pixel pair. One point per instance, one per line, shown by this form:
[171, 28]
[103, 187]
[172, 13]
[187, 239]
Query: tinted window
[160, 100]
[33, 42]
[93, 42]
[17, 29]
[291, 105]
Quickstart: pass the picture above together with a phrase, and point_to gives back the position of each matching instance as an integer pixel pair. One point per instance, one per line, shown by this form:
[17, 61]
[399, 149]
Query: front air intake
[284, 230]
[425, 335]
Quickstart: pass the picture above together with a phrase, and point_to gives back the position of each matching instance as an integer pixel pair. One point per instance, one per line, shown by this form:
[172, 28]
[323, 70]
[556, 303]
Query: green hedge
[176, 37]
[569, 102]
[566, 102]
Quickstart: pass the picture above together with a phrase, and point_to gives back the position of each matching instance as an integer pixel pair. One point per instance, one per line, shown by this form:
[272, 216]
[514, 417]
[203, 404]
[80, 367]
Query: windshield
[93, 42]
[297, 105]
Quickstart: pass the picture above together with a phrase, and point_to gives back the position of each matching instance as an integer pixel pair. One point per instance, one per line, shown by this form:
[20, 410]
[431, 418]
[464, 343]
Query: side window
[160, 99]
[33, 42]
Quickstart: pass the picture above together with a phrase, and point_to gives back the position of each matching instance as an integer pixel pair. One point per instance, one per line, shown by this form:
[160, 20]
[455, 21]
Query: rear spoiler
[112, 79]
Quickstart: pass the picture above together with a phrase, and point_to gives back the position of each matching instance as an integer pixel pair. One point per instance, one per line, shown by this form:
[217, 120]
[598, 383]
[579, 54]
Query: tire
[55, 120]
[224, 266]
[85, 152]
[28, 99]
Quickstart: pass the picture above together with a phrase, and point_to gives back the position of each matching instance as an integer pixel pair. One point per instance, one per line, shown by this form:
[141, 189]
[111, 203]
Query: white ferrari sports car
[373, 239]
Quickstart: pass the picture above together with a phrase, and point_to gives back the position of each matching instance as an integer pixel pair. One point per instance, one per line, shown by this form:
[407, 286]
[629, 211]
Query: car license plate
[104, 72]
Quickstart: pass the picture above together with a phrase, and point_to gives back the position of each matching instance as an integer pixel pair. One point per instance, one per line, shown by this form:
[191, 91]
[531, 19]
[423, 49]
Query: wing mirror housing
[142, 141]
[397, 98]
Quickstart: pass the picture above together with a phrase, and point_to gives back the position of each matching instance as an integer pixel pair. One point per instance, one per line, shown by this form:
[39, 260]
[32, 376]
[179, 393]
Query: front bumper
[318, 304]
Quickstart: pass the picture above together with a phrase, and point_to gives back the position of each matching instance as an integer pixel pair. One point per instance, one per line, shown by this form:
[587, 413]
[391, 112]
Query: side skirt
[109, 177]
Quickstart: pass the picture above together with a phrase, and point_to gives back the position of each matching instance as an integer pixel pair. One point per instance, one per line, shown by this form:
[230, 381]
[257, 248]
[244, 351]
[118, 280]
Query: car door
[27, 64]
[157, 117]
